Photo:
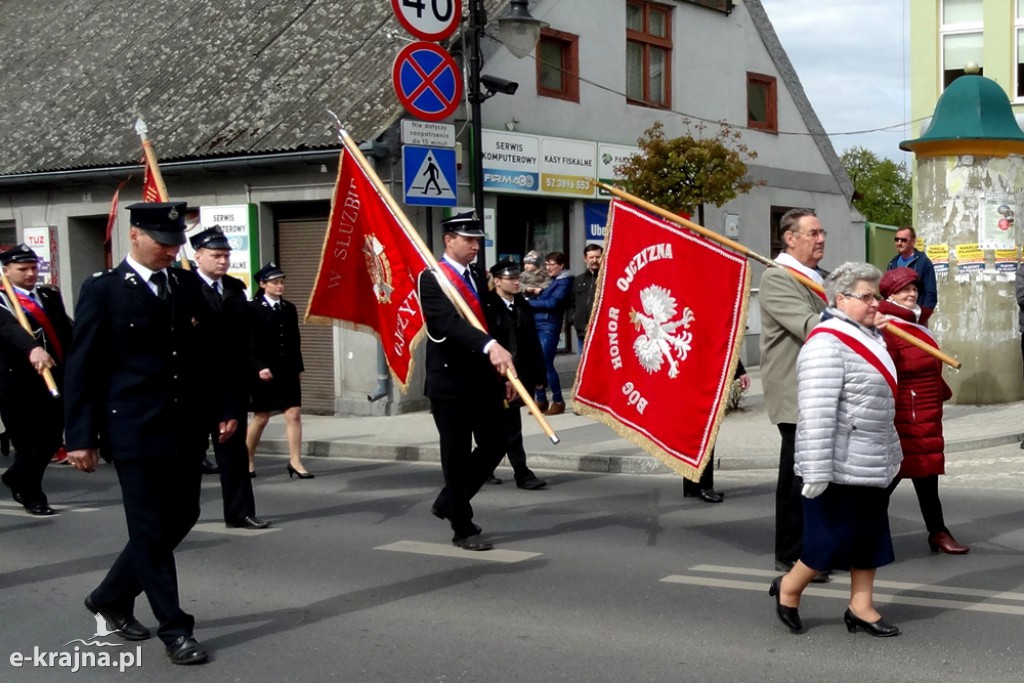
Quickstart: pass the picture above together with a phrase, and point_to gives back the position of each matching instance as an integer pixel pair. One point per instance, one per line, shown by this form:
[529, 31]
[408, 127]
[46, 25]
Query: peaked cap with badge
[505, 268]
[466, 224]
[211, 238]
[19, 254]
[163, 221]
[269, 272]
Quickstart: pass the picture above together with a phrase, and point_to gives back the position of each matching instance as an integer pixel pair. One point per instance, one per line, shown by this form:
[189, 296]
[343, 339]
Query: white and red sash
[864, 346]
[919, 332]
[470, 295]
[36, 312]
[794, 266]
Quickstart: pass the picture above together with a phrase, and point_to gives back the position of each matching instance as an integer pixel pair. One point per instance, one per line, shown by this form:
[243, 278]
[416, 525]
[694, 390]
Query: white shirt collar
[269, 299]
[459, 268]
[785, 259]
[142, 270]
[208, 280]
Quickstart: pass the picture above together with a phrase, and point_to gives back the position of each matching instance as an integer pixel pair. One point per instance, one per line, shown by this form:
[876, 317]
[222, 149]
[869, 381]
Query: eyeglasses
[900, 239]
[866, 298]
[814, 234]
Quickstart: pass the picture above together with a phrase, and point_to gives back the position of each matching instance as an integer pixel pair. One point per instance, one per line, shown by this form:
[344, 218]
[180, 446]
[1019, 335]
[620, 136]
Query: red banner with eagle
[368, 269]
[663, 339]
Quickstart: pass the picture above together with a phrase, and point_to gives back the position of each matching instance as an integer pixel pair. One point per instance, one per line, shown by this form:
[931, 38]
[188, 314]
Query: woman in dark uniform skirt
[277, 366]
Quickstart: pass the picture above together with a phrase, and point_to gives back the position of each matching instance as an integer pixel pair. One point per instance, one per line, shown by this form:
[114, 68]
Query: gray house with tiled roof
[236, 98]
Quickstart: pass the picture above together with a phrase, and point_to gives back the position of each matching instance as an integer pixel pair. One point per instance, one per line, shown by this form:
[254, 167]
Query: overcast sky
[850, 57]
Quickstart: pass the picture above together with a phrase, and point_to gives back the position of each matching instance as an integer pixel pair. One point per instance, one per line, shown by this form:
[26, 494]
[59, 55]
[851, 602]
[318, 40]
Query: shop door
[299, 245]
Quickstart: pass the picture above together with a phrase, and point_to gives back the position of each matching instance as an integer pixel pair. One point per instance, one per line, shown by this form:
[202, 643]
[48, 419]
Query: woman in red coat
[918, 404]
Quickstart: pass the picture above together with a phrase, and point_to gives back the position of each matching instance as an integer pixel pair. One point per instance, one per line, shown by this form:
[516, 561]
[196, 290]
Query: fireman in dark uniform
[34, 418]
[227, 298]
[138, 392]
[510, 321]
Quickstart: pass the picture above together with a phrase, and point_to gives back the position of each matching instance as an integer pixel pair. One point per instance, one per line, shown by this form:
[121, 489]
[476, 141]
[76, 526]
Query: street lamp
[519, 32]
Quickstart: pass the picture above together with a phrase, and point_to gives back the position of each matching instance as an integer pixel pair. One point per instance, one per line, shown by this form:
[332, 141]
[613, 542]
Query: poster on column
[997, 229]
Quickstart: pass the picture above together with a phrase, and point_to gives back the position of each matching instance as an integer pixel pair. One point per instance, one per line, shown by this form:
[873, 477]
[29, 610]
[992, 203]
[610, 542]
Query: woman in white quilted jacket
[847, 450]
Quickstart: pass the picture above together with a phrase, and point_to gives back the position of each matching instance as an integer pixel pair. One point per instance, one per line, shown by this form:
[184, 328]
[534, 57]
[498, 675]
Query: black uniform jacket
[456, 364]
[275, 342]
[232, 322]
[517, 332]
[141, 378]
[17, 376]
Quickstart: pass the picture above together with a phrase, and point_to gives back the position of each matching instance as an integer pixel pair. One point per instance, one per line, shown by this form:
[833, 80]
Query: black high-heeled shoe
[790, 616]
[292, 472]
[879, 629]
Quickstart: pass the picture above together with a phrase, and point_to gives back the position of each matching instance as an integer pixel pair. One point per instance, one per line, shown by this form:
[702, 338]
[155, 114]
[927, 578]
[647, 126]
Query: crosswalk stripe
[495, 555]
[955, 591]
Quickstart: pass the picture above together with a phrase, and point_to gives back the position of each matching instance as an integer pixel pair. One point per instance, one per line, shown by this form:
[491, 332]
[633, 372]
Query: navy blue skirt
[279, 394]
[847, 527]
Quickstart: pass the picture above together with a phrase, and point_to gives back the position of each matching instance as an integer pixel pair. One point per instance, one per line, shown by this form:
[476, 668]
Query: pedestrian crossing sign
[429, 176]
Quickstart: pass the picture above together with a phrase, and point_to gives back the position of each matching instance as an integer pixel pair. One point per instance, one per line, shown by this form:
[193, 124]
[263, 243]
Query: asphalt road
[602, 577]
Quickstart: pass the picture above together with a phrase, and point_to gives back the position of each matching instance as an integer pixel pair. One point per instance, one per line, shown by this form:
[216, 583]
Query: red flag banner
[368, 269]
[663, 339]
[150, 189]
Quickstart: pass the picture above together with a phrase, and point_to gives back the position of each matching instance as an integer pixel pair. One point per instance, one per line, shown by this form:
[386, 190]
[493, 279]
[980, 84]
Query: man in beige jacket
[789, 310]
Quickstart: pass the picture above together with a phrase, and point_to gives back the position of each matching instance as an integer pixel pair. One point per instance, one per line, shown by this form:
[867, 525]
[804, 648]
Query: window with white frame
[960, 35]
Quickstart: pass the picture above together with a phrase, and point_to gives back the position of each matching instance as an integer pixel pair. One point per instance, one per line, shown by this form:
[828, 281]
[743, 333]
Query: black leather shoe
[532, 483]
[208, 467]
[40, 509]
[493, 480]
[250, 522]
[879, 629]
[790, 616]
[474, 542]
[186, 650]
[124, 625]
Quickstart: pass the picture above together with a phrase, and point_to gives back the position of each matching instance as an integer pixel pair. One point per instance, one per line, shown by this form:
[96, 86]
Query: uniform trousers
[235, 483]
[460, 421]
[36, 429]
[789, 507]
[161, 505]
[514, 447]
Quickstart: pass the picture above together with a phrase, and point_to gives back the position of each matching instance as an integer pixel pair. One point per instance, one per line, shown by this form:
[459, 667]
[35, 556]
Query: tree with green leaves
[683, 174]
[883, 189]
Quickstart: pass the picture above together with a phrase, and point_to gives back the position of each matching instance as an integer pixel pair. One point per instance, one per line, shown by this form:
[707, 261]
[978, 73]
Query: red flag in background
[368, 269]
[112, 218]
[150, 188]
[662, 343]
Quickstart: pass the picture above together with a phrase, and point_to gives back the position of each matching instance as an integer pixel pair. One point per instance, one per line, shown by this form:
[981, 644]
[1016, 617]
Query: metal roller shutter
[299, 247]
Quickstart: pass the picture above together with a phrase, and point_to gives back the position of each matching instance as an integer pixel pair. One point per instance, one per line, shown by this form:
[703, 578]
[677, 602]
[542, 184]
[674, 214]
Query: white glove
[814, 490]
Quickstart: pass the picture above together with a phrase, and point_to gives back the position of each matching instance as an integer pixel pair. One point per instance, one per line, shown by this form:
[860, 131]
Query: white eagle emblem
[379, 268]
[659, 341]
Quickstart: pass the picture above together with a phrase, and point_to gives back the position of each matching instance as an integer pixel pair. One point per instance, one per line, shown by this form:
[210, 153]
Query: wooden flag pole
[154, 169]
[736, 246]
[446, 286]
[19, 313]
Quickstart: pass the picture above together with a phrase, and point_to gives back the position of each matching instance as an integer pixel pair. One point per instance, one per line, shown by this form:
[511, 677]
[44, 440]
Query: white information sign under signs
[428, 133]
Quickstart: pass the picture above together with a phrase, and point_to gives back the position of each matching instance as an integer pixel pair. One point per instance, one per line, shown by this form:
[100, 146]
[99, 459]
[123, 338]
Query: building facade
[237, 104]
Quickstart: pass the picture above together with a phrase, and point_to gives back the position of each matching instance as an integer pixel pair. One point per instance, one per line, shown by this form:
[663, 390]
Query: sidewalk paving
[746, 441]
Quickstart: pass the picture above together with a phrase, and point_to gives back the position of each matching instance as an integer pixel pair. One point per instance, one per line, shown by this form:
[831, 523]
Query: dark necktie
[159, 278]
[277, 307]
[216, 288]
[468, 277]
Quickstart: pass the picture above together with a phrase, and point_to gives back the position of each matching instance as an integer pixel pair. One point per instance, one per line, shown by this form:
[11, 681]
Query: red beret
[896, 279]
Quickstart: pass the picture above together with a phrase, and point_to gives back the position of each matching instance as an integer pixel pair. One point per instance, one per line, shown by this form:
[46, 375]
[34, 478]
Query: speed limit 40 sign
[432, 20]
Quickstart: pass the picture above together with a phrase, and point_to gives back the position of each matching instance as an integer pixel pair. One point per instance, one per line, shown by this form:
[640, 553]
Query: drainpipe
[383, 387]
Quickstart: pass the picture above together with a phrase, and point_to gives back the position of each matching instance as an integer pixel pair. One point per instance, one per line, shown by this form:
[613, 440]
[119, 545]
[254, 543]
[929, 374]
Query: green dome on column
[973, 116]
